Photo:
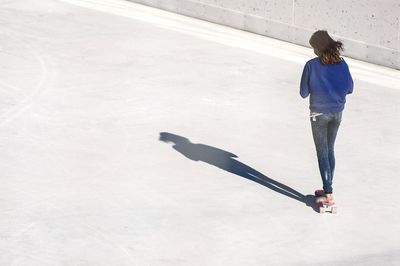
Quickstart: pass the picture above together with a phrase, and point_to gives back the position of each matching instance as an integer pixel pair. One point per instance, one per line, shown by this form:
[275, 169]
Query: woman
[327, 80]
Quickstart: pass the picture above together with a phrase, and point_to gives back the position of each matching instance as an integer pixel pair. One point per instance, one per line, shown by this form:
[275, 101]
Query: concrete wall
[370, 29]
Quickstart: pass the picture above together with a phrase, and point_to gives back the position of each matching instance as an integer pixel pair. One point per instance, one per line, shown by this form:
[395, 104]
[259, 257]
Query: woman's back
[327, 85]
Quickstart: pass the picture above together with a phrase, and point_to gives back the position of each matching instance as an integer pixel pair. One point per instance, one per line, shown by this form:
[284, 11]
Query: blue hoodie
[327, 85]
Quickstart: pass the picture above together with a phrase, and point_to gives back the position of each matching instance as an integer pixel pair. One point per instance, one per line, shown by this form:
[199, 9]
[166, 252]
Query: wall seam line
[293, 21]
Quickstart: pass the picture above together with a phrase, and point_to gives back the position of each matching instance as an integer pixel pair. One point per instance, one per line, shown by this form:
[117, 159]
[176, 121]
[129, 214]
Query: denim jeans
[324, 128]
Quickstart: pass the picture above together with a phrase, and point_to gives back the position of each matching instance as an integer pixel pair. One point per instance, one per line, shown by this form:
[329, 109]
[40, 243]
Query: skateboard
[322, 206]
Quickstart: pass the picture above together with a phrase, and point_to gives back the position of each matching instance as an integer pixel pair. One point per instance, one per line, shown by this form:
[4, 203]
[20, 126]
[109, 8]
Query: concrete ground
[132, 136]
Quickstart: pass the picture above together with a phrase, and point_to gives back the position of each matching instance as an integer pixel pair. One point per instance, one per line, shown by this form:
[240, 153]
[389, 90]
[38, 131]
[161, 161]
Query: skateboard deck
[322, 207]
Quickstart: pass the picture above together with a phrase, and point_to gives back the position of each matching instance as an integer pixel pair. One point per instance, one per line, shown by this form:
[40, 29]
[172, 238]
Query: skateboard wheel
[334, 210]
[321, 210]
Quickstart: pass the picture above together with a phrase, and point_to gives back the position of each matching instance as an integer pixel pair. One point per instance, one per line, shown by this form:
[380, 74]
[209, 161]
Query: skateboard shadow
[226, 161]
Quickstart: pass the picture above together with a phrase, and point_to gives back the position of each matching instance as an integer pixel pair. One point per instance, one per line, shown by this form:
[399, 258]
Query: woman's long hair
[327, 48]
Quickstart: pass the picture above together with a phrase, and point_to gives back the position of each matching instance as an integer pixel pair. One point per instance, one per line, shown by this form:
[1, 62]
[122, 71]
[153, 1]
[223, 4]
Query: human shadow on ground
[226, 161]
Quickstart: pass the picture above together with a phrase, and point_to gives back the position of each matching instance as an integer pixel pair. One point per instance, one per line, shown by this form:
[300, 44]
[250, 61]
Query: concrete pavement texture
[134, 136]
